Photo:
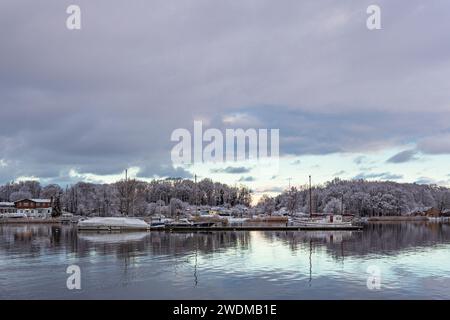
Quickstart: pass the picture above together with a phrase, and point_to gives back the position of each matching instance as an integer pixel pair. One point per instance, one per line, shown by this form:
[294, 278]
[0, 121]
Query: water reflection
[112, 238]
[172, 264]
[376, 238]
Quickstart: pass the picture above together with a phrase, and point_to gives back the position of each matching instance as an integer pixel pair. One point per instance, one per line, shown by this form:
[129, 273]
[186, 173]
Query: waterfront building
[7, 207]
[433, 212]
[35, 207]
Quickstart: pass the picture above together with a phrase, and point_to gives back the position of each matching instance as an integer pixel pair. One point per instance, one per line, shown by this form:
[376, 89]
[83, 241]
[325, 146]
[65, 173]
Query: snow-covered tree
[266, 204]
[333, 206]
[19, 195]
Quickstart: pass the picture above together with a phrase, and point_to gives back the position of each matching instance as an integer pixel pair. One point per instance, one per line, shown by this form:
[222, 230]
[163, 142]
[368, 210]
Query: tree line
[131, 197]
[360, 197]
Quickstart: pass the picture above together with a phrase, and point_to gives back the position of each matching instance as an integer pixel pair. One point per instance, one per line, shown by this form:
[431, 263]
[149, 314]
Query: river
[407, 261]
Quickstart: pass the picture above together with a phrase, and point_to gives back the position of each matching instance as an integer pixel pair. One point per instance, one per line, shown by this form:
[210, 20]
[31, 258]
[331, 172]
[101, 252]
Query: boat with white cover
[113, 224]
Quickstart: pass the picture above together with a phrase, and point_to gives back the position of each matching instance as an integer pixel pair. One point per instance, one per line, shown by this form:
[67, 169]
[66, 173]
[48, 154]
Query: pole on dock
[310, 198]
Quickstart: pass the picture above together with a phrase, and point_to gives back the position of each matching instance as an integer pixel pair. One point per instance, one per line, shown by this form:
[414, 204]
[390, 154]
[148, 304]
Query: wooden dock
[29, 221]
[191, 228]
[259, 228]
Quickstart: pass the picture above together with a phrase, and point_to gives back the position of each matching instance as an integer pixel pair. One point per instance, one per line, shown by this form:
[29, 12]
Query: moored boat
[232, 220]
[156, 225]
[113, 223]
[186, 223]
[159, 221]
[329, 221]
[180, 223]
[205, 224]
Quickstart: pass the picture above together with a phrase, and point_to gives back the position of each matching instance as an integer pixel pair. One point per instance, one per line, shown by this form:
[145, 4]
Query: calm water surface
[414, 259]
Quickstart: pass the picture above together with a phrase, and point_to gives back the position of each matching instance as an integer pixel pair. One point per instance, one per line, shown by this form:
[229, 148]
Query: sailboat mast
[310, 198]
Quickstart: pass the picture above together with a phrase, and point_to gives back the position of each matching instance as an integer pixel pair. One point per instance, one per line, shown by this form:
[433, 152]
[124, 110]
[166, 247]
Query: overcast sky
[349, 102]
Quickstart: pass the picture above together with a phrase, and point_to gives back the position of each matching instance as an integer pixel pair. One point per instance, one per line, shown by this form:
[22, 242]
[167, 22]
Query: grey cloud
[359, 160]
[380, 176]
[325, 133]
[231, 170]
[424, 180]
[164, 171]
[247, 179]
[404, 156]
[108, 96]
[435, 144]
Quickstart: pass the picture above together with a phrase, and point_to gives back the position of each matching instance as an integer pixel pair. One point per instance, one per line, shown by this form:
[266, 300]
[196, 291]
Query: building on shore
[41, 208]
[7, 207]
[433, 212]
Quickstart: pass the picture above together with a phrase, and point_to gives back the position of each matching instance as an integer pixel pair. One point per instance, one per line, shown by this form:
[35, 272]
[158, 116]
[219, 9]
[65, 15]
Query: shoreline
[368, 220]
[398, 218]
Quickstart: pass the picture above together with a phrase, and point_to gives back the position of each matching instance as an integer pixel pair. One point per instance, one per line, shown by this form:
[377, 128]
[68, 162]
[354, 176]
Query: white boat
[361, 219]
[183, 222]
[232, 220]
[112, 223]
[180, 223]
[329, 221]
[14, 215]
[206, 214]
[159, 221]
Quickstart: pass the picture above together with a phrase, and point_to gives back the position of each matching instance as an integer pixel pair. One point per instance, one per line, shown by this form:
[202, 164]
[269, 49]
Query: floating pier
[258, 228]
